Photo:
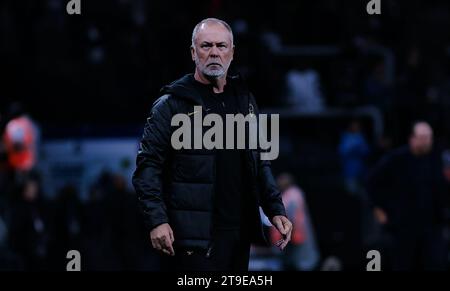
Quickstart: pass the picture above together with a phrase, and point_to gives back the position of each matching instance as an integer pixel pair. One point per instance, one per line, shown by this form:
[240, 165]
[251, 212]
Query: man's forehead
[423, 129]
[213, 32]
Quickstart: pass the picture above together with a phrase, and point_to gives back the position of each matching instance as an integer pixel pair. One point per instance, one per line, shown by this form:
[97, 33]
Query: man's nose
[214, 51]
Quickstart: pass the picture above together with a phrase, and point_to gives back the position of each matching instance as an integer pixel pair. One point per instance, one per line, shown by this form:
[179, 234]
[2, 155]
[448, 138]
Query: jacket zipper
[211, 228]
[254, 169]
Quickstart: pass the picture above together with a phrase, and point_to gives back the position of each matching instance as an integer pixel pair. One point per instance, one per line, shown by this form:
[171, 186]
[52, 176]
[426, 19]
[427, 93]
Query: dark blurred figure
[9, 261]
[407, 188]
[29, 224]
[377, 89]
[66, 226]
[114, 234]
[97, 248]
[4, 179]
[446, 162]
[446, 171]
[412, 86]
[130, 241]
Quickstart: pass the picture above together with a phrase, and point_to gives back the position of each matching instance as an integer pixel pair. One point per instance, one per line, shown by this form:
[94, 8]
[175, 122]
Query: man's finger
[284, 244]
[166, 252]
[289, 231]
[167, 245]
[288, 236]
[279, 243]
[171, 250]
[279, 226]
[156, 244]
[172, 239]
[286, 223]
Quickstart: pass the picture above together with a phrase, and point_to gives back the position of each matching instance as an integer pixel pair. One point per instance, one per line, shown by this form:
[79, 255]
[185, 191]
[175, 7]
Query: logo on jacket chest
[235, 131]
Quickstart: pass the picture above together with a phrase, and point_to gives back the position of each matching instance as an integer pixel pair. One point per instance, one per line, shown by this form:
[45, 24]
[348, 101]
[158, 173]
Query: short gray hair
[214, 20]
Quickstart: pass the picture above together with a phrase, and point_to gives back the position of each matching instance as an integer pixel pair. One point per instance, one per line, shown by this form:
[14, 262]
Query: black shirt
[229, 165]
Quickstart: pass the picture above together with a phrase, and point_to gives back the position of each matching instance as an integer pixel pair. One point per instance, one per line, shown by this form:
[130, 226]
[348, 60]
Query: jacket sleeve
[379, 182]
[271, 202]
[153, 150]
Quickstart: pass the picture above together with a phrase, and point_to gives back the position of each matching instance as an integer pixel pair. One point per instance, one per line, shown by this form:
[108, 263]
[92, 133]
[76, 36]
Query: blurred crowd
[36, 232]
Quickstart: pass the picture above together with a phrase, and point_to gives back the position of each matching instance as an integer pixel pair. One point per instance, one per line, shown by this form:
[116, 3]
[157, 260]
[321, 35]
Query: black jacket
[410, 189]
[177, 186]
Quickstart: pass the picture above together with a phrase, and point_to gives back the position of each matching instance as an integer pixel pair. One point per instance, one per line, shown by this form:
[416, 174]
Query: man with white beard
[201, 205]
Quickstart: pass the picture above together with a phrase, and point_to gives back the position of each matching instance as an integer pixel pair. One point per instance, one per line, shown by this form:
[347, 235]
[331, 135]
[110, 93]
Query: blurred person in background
[113, 234]
[446, 162]
[202, 206]
[446, 171]
[9, 261]
[6, 173]
[20, 140]
[29, 224]
[3, 167]
[302, 253]
[66, 214]
[353, 149]
[408, 196]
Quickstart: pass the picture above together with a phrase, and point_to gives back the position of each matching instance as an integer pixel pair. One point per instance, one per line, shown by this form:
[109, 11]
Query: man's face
[213, 50]
[421, 141]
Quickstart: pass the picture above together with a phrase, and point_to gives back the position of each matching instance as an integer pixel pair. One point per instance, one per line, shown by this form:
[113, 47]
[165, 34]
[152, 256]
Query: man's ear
[193, 53]
[232, 53]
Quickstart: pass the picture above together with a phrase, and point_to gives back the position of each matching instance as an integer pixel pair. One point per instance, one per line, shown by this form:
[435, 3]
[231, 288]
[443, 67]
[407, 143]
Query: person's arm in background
[379, 185]
[442, 197]
[147, 178]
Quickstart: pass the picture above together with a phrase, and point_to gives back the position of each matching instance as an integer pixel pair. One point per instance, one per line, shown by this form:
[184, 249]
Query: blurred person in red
[302, 253]
[408, 194]
[20, 139]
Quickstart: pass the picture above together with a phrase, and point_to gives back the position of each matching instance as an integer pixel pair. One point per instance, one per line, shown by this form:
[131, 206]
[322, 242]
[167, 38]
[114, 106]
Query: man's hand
[284, 226]
[162, 239]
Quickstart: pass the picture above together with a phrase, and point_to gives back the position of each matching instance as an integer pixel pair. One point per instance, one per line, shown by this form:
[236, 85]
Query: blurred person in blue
[407, 189]
[353, 149]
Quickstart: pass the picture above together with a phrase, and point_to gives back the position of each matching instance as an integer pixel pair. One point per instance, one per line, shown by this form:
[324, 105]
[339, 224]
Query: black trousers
[420, 251]
[229, 251]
